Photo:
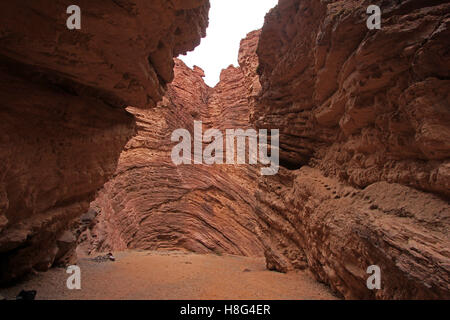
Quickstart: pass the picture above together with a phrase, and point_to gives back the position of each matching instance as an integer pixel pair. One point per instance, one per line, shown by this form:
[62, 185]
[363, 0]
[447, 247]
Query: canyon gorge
[64, 122]
[364, 120]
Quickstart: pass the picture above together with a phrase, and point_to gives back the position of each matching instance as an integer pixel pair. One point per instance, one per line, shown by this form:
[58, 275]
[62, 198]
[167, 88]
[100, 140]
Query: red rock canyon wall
[63, 98]
[153, 204]
[364, 120]
[366, 115]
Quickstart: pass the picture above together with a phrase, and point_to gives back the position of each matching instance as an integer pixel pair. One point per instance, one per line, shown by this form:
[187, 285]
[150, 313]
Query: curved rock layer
[364, 121]
[364, 117]
[63, 98]
[153, 204]
[369, 110]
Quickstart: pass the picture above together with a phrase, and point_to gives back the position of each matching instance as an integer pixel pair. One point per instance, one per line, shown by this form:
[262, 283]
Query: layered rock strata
[64, 123]
[369, 110]
[364, 120]
[153, 204]
[363, 105]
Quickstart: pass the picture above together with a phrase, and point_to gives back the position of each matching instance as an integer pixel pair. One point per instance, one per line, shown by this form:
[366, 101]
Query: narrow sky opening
[229, 22]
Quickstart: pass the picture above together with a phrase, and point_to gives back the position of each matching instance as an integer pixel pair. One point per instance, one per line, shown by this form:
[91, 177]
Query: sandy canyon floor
[173, 275]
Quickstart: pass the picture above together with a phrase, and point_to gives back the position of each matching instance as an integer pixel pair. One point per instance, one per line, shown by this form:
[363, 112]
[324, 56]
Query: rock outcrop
[338, 231]
[63, 98]
[153, 204]
[364, 119]
[364, 105]
[365, 126]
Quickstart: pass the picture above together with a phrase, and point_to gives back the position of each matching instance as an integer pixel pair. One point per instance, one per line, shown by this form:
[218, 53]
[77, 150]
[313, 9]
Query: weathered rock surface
[363, 105]
[359, 186]
[370, 111]
[63, 97]
[364, 117]
[153, 204]
[338, 231]
[249, 62]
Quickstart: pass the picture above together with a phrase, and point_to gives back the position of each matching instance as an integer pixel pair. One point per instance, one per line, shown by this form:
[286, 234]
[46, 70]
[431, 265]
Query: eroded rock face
[249, 62]
[364, 121]
[338, 231]
[370, 111]
[314, 213]
[363, 105]
[63, 98]
[153, 204]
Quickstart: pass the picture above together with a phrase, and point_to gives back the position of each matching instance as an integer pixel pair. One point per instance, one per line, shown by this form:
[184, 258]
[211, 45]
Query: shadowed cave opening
[290, 164]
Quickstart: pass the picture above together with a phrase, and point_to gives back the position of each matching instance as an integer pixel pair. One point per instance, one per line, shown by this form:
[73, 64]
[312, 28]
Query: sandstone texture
[363, 105]
[364, 117]
[153, 204]
[63, 97]
[364, 154]
[365, 122]
[338, 231]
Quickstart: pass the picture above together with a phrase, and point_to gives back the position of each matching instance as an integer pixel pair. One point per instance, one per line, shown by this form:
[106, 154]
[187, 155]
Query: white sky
[229, 22]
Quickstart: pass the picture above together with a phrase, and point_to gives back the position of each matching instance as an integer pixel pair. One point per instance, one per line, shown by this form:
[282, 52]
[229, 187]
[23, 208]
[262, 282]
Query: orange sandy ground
[174, 275]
